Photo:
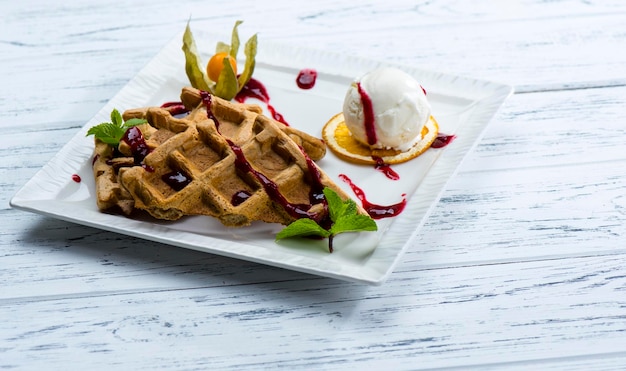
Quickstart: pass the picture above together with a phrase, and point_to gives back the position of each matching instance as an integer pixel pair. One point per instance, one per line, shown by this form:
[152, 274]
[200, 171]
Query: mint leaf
[343, 215]
[112, 132]
[338, 207]
[133, 122]
[107, 132]
[116, 118]
[302, 228]
[353, 223]
[335, 203]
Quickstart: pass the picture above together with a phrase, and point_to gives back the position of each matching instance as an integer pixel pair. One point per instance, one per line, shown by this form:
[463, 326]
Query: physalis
[219, 77]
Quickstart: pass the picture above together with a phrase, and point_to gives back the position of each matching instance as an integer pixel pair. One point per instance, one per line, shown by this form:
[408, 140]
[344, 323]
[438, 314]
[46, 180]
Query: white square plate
[463, 107]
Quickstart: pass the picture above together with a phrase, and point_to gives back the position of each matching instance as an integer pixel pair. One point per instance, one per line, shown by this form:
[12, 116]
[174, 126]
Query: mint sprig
[112, 132]
[343, 215]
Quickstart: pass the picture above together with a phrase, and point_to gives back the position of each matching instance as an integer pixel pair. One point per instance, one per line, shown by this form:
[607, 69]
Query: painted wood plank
[505, 313]
[526, 215]
[555, 128]
[106, 52]
[520, 265]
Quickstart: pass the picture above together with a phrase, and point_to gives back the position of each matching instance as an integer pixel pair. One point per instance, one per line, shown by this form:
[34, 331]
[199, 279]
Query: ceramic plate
[462, 106]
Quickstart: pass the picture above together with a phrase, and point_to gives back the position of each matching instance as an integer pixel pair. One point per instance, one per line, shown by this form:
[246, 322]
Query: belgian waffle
[230, 162]
[192, 166]
[110, 194]
[314, 147]
[107, 161]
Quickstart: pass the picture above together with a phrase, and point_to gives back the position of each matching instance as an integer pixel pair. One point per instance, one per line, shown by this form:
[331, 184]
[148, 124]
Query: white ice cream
[399, 105]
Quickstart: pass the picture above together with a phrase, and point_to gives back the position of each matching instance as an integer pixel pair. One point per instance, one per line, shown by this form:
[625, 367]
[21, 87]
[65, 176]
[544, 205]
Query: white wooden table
[521, 264]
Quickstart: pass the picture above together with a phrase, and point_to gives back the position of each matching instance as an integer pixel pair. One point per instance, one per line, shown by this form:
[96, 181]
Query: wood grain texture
[503, 313]
[521, 45]
[520, 265]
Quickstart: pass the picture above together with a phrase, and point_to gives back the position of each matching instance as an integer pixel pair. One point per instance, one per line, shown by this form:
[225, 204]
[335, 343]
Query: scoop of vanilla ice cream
[386, 108]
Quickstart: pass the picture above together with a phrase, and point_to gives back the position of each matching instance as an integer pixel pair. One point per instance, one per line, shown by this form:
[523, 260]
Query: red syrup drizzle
[76, 178]
[442, 140]
[138, 146]
[375, 211]
[206, 99]
[255, 89]
[295, 210]
[176, 179]
[175, 108]
[306, 78]
[385, 168]
[239, 197]
[368, 115]
[316, 194]
[241, 163]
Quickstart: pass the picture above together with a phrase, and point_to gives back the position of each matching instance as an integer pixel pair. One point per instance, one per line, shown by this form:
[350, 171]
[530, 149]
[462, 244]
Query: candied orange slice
[339, 139]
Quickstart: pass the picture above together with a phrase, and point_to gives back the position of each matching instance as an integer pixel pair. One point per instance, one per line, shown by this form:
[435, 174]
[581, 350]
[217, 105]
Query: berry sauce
[239, 197]
[176, 109]
[255, 89]
[206, 99]
[368, 116]
[176, 179]
[295, 210]
[138, 146]
[375, 211]
[316, 194]
[385, 168]
[241, 163]
[306, 78]
[442, 140]
[76, 178]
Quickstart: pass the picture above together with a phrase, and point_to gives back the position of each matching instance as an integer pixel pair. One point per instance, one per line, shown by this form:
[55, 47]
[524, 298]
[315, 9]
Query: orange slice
[339, 139]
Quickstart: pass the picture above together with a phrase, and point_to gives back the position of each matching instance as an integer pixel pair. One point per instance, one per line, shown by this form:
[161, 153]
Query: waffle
[230, 162]
[315, 148]
[191, 169]
[107, 161]
[110, 195]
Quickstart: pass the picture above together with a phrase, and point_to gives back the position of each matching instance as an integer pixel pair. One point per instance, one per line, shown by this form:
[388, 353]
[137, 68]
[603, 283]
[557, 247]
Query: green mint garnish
[343, 214]
[112, 132]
